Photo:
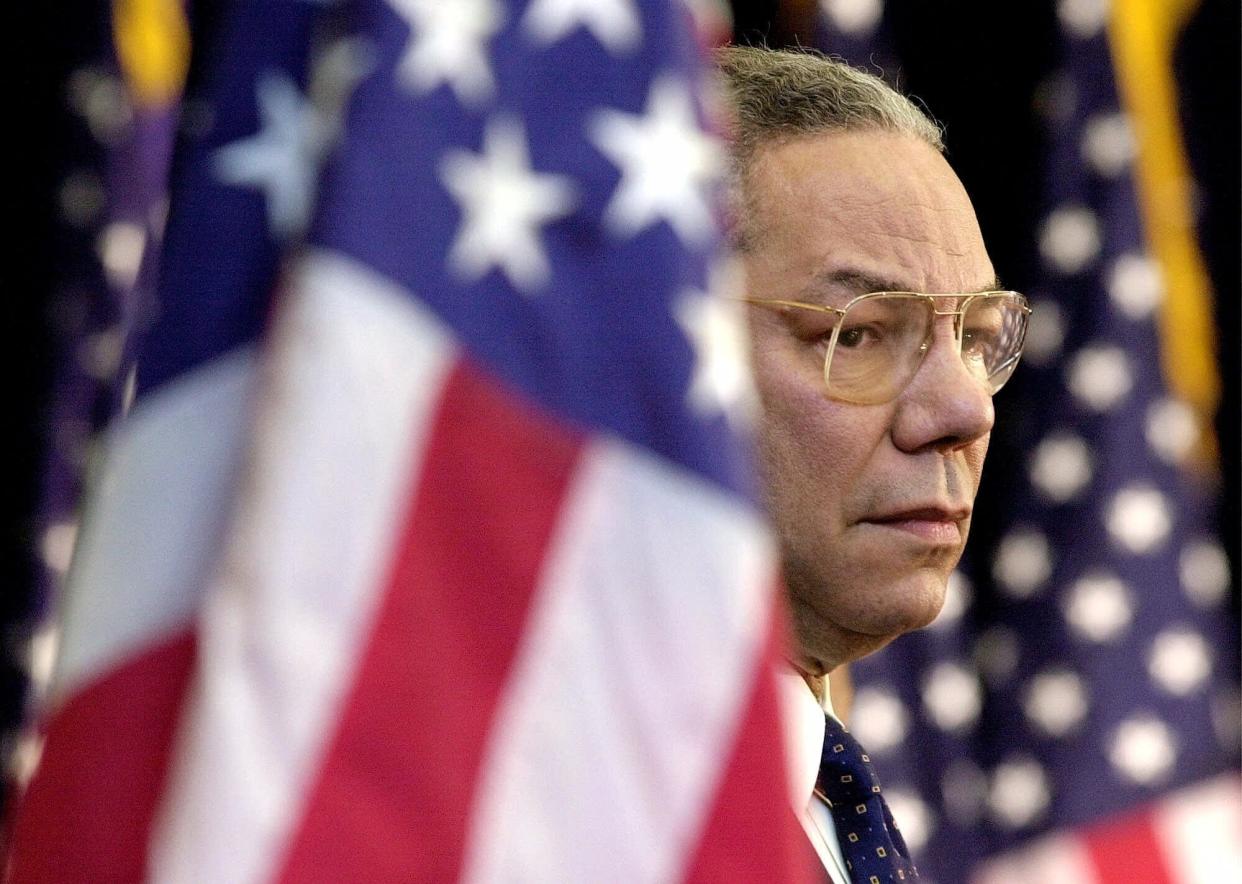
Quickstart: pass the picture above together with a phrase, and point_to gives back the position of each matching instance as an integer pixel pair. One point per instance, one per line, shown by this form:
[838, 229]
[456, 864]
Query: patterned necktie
[874, 850]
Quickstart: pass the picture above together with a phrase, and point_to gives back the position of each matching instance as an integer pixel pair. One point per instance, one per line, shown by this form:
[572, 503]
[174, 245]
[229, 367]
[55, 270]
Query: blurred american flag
[377, 579]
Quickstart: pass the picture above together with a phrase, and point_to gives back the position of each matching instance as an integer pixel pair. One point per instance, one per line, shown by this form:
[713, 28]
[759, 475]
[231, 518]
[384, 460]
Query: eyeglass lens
[882, 341]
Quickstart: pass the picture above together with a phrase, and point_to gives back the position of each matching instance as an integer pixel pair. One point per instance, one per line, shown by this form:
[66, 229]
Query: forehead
[880, 204]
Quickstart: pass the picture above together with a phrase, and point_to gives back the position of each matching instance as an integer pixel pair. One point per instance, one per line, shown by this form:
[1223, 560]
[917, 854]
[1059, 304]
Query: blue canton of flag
[243, 184]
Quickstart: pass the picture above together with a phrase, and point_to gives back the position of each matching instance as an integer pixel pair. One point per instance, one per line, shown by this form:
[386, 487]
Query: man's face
[871, 502]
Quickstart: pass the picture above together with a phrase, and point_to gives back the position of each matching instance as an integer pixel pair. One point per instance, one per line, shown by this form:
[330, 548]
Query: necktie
[874, 850]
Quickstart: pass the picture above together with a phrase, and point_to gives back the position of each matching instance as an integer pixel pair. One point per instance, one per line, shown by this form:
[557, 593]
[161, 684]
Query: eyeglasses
[876, 342]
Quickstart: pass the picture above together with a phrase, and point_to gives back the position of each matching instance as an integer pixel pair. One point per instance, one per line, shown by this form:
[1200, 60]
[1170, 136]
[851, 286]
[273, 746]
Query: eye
[856, 336]
[982, 330]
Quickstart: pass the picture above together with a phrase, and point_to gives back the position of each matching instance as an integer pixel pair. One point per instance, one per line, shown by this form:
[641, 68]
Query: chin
[904, 604]
[889, 623]
[844, 620]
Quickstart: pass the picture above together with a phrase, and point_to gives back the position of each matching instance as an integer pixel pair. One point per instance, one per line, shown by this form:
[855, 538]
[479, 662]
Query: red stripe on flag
[393, 795]
[1125, 851]
[752, 833]
[87, 813]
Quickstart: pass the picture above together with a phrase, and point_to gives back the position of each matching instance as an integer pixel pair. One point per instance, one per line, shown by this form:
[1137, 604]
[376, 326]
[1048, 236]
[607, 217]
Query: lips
[933, 524]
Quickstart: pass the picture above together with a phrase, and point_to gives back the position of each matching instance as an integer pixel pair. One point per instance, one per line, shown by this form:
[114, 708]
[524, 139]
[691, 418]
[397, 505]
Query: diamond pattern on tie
[874, 850]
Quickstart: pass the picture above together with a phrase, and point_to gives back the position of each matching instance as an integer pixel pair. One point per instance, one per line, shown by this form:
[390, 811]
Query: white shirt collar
[804, 734]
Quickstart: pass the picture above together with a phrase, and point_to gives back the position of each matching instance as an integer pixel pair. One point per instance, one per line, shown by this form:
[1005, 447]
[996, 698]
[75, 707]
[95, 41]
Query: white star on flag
[666, 163]
[503, 204]
[447, 45]
[282, 158]
[714, 324]
[614, 23]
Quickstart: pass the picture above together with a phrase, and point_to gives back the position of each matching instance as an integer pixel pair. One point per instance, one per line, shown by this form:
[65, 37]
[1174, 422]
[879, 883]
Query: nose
[944, 407]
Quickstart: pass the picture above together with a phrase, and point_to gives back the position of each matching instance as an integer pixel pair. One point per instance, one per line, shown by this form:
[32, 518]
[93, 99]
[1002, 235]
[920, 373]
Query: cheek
[813, 450]
[974, 456]
[807, 462]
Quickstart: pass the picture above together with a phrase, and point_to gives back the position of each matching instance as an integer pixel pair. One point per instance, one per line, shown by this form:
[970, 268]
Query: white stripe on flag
[1200, 832]
[1057, 858]
[639, 653]
[155, 518]
[356, 371]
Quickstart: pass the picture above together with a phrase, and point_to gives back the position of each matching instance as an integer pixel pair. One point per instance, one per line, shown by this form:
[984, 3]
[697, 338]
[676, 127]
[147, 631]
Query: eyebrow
[861, 282]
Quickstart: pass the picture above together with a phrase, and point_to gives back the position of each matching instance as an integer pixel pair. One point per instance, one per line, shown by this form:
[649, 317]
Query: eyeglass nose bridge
[963, 303]
[958, 322]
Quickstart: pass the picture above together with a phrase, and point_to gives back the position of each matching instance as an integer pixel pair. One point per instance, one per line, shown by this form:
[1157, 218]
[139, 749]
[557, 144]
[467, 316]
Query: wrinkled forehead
[837, 286]
[878, 204]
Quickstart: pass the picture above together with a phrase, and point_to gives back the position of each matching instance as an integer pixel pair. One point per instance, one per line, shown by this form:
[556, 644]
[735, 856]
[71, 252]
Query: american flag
[106, 150]
[1072, 716]
[425, 548]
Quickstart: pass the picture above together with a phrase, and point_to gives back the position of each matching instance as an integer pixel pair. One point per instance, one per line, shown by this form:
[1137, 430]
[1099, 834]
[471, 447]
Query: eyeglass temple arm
[774, 302]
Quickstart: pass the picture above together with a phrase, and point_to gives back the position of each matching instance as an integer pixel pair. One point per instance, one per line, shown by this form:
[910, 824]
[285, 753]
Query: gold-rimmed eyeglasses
[875, 344]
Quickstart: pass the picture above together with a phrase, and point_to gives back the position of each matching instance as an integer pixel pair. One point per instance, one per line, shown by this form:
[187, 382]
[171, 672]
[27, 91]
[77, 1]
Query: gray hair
[776, 95]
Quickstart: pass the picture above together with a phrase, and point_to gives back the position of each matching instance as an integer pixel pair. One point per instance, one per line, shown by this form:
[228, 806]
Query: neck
[818, 685]
[816, 677]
